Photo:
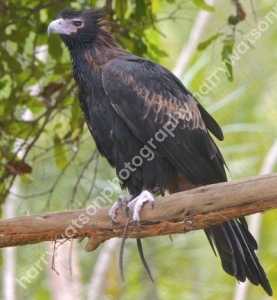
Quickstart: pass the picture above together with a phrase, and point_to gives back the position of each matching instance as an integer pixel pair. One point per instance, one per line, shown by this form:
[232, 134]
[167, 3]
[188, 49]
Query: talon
[119, 205]
[136, 204]
[113, 219]
[112, 212]
[127, 209]
[120, 202]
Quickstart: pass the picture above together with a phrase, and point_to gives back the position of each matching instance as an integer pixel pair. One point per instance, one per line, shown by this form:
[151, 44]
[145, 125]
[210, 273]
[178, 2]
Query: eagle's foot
[136, 204]
[123, 199]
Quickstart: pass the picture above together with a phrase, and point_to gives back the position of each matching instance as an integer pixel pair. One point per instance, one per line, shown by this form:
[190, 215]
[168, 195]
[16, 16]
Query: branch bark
[177, 213]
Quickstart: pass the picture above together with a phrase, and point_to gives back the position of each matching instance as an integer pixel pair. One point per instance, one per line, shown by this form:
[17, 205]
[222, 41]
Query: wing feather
[147, 97]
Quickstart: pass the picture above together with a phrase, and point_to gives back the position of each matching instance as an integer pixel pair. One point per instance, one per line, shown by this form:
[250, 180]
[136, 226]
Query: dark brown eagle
[151, 129]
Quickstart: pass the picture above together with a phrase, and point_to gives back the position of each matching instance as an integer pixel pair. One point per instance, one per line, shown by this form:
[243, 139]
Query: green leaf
[20, 129]
[203, 5]
[227, 50]
[42, 38]
[13, 64]
[140, 9]
[158, 51]
[2, 192]
[60, 156]
[27, 178]
[10, 103]
[76, 116]
[55, 47]
[19, 34]
[58, 125]
[126, 42]
[3, 83]
[205, 44]
[120, 9]
[140, 47]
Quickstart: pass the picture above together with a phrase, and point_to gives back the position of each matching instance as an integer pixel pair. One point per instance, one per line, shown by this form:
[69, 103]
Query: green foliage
[59, 151]
[202, 4]
[227, 51]
[205, 44]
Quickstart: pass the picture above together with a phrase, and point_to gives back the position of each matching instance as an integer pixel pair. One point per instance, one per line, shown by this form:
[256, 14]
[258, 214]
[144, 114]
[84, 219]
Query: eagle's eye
[77, 23]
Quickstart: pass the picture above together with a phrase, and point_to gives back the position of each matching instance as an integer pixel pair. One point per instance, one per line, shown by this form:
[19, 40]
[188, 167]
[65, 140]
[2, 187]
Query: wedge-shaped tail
[236, 247]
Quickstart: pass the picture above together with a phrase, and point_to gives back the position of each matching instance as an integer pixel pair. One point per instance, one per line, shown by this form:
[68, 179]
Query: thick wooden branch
[177, 213]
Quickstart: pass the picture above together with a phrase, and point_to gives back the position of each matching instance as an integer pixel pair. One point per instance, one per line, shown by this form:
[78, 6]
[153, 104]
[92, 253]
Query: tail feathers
[235, 246]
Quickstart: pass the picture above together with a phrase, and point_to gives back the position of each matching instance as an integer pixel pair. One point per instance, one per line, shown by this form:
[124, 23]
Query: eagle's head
[75, 27]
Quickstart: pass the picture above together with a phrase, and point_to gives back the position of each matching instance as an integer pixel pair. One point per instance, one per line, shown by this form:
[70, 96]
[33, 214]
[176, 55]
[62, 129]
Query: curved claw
[113, 219]
[119, 205]
[127, 210]
[112, 212]
[119, 202]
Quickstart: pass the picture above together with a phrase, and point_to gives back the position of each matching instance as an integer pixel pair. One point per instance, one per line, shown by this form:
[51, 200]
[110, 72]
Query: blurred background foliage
[49, 162]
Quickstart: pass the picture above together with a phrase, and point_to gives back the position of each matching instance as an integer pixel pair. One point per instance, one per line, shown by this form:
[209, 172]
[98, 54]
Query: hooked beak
[61, 26]
[54, 27]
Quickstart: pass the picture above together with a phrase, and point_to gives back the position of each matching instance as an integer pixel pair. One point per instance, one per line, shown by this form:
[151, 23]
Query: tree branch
[177, 213]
